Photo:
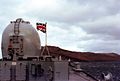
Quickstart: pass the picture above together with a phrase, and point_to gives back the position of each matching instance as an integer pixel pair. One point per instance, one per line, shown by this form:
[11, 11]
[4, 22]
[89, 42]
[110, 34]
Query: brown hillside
[83, 56]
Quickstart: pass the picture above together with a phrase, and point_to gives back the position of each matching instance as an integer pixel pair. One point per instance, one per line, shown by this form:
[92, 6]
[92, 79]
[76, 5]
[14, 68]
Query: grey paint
[61, 71]
[29, 70]
[31, 43]
[25, 71]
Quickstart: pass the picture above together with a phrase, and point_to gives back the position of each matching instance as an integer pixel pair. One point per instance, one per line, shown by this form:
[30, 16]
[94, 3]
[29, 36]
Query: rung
[16, 27]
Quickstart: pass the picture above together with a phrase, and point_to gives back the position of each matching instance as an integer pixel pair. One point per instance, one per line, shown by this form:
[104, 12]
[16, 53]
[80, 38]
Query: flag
[41, 27]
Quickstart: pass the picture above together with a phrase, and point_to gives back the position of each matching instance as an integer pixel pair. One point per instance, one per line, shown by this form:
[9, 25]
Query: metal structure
[22, 38]
[22, 60]
[21, 56]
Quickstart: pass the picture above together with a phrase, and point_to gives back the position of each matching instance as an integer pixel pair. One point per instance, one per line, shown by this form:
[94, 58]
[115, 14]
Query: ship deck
[75, 76]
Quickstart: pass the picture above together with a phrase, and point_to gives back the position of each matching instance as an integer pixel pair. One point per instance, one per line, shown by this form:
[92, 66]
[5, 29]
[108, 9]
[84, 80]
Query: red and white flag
[41, 27]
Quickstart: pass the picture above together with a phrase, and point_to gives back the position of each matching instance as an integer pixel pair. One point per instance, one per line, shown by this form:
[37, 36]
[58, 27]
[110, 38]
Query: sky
[76, 25]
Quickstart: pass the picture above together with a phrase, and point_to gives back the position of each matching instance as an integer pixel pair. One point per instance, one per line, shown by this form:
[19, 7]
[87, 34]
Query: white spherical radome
[31, 40]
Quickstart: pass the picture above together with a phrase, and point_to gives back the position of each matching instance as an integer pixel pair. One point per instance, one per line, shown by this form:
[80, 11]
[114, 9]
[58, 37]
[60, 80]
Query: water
[97, 68]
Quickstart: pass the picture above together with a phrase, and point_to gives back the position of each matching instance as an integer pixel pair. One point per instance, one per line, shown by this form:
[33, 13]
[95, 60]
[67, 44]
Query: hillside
[83, 56]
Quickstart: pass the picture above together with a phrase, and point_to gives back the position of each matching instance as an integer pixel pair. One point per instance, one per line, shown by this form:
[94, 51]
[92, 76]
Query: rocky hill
[83, 56]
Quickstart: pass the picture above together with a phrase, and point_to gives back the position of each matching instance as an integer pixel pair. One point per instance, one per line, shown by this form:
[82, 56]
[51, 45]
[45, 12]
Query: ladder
[16, 26]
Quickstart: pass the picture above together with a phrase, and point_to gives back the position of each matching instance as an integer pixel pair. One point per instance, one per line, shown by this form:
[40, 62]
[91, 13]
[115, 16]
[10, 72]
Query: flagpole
[46, 41]
[45, 47]
[46, 36]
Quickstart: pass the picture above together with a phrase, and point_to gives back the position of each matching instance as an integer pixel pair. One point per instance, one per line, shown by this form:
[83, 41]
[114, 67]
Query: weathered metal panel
[5, 71]
[61, 71]
[39, 71]
[21, 71]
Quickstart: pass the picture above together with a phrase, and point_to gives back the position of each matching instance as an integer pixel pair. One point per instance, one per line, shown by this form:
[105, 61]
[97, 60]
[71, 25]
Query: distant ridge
[83, 56]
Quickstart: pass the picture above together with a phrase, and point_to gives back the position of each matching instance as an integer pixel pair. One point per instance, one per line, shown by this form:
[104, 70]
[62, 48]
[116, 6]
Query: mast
[45, 47]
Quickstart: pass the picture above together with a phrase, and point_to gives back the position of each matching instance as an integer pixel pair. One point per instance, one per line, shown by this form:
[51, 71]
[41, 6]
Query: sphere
[31, 41]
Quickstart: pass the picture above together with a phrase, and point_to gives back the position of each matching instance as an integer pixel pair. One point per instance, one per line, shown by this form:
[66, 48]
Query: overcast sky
[77, 25]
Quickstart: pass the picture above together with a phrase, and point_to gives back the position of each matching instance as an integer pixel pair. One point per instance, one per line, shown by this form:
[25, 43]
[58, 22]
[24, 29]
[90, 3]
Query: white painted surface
[31, 39]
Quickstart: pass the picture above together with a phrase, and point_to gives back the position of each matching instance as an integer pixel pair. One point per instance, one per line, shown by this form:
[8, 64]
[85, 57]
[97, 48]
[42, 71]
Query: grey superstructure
[21, 56]
[22, 59]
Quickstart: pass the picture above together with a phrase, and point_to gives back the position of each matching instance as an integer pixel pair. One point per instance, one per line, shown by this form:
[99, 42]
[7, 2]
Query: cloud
[71, 11]
[80, 25]
[108, 25]
[100, 46]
